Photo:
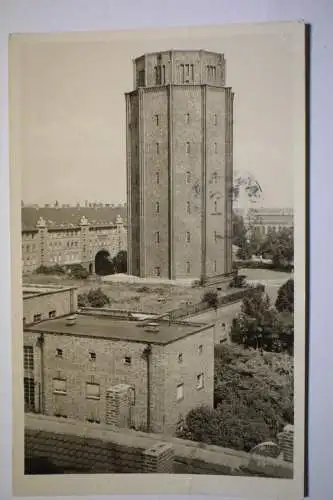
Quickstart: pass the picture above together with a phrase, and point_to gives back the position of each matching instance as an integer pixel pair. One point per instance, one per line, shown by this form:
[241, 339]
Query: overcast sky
[72, 114]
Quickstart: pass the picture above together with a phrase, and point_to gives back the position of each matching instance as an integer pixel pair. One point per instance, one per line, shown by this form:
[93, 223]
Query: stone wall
[98, 449]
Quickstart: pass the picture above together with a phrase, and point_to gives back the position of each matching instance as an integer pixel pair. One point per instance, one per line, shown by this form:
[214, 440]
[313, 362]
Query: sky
[71, 114]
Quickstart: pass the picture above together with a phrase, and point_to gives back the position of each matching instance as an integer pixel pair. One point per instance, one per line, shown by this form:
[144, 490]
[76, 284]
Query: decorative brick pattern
[286, 442]
[117, 406]
[159, 458]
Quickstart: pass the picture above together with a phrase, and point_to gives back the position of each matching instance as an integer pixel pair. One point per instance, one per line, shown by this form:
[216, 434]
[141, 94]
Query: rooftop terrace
[106, 327]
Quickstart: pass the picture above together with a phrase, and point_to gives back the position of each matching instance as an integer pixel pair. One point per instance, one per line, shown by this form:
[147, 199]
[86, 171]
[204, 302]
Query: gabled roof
[66, 216]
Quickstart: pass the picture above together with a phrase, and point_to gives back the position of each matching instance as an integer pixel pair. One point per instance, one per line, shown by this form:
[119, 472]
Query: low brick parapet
[101, 449]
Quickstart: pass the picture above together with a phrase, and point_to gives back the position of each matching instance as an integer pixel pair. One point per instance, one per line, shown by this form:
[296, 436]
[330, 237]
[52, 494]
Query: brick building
[180, 166]
[66, 236]
[47, 302]
[116, 371]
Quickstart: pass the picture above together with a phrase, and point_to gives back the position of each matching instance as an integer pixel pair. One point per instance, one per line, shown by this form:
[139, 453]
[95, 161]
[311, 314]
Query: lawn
[153, 298]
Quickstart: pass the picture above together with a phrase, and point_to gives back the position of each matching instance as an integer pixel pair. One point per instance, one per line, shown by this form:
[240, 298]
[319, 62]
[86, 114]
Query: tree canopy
[285, 298]
[279, 246]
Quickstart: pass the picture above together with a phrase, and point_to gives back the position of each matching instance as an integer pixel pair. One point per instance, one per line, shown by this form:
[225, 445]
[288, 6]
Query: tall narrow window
[215, 266]
[215, 236]
[156, 120]
[200, 381]
[188, 207]
[157, 207]
[214, 177]
[141, 78]
[215, 147]
[188, 177]
[187, 118]
[180, 392]
[157, 271]
[215, 119]
[188, 267]
[28, 358]
[187, 147]
[157, 237]
[157, 177]
[157, 148]
[163, 75]
[215, 206]
[188, 237]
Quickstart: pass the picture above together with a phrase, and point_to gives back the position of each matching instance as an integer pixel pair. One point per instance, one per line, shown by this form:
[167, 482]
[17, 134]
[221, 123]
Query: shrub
[55, 270]
[211, 298]
[253, 400]
[238, 281]
[94, 298]
[77, 271]
[285, 298]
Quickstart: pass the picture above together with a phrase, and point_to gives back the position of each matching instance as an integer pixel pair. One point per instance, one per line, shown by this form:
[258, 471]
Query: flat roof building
[128, 373]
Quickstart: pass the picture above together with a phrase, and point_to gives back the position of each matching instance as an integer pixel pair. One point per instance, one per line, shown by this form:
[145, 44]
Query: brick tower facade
[180, 167]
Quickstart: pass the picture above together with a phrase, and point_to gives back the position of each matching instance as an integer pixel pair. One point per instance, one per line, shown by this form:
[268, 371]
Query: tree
[279, 246]
[239, 231]
[257, 324]
[253, 400]
[120, 262]
[285, 297]
[211, 298]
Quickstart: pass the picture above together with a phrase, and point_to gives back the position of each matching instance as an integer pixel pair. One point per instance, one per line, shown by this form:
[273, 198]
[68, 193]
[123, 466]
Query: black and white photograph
[158, 259]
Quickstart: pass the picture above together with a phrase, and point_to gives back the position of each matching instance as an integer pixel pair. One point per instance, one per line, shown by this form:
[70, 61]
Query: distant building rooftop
[99, 326]
[29, 290]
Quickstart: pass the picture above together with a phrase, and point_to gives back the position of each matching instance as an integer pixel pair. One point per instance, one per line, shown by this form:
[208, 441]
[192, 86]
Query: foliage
[259, 325]
[239, 231]
[211, 298]
[285, 298]
[253, 400]
[94, 298]
[238, 281]
[77, 271]
[55, 270]
[120, 262]
[279, 246]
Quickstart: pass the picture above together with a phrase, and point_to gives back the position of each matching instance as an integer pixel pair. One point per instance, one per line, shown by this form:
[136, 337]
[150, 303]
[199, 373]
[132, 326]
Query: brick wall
[286, 443]
[62, 302]
[97, 449]
[109, 368]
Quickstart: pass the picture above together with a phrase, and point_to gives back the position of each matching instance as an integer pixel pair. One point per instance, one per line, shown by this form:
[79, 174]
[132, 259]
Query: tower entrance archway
[103, 263]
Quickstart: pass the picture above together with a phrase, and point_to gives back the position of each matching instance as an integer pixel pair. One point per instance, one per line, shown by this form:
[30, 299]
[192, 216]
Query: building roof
[67, 216]
[99, 326]
[30, 291]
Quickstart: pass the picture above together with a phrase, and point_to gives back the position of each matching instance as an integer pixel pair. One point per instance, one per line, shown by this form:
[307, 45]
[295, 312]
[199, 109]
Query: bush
[285, 298]
[94, 298]
[55, 270]
[211, 298]
[253, 400]
[238, 281]
[77, 271]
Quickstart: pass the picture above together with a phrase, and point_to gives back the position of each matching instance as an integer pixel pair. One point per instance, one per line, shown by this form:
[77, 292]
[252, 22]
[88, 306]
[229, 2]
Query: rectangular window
[215, 119]
[157, 207]
[157, 148]
[215, 147]
[157, 271]
[188, 177]
[200, 381]
[92, 391]
[156, 120]
[132, 396]
[187, 118]
[37, 317]
[59, 353]
[52, 314]
[188, 267]
[188, 207]
[157, 177]
[29, 394]
[28, 357]
[187, 147]
[157, 71]
[92, 356]
[128, 360]
[180, 357]
[200, 348]
[141, 78]
[188, 237]
[180, 392]
[157, 237]
[59, 386]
